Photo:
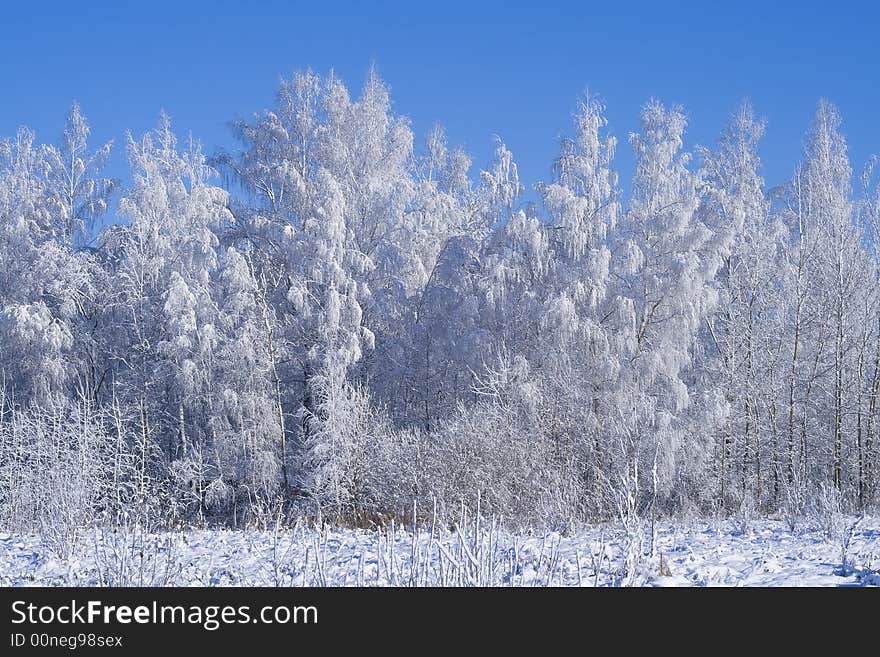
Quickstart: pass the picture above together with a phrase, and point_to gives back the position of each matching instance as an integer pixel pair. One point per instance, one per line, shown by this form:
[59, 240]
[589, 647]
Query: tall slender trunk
[791, 388]
[428, 383]
[838, 392]
[860, 370]
[808, 392]
[145, 433]
[276, 382]
[801, 294]
[279, 408]
[181, 428]
[774, 457]
[870, 422]
[308, 403]
[748, 406]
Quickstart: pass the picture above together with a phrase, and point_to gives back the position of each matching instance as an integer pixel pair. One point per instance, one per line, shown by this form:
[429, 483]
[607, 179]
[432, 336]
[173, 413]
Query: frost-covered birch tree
[665, 260]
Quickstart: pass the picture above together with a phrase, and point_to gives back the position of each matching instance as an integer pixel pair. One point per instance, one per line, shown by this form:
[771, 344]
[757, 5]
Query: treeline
[338, 320]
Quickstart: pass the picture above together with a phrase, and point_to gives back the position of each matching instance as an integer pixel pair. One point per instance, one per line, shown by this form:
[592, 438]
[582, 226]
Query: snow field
[722, 553]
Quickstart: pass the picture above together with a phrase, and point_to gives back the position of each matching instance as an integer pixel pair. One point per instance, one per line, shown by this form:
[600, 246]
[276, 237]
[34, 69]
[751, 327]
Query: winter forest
[350, 323]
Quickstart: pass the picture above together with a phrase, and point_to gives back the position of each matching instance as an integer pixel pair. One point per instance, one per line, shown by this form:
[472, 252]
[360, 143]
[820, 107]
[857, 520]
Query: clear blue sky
[479, 68]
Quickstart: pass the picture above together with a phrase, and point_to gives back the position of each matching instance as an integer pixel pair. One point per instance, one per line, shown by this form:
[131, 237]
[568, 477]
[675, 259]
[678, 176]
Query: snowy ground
[764, 553]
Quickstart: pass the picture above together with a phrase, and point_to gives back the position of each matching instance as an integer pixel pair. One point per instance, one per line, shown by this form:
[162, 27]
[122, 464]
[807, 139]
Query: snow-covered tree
[742, 342]
[46, 288]
[78, 194]
[665, 260]
[163, 262]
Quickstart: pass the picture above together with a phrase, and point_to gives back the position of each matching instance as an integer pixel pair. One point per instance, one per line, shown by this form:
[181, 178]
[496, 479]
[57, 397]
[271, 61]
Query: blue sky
[479, 68]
